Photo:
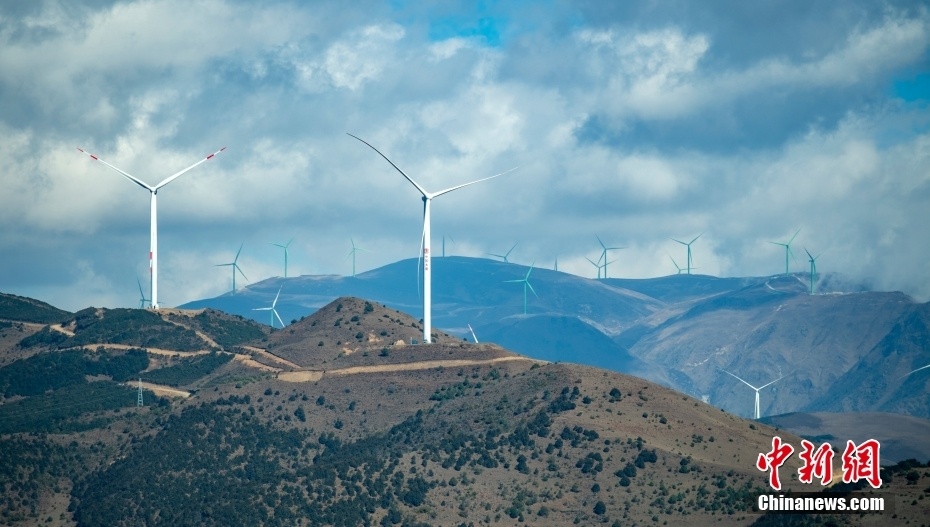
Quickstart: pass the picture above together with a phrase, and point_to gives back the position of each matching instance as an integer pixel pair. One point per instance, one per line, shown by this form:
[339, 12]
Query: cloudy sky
[637, 122]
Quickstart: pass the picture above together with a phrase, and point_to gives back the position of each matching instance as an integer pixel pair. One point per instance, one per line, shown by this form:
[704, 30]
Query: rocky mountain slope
[284, 430]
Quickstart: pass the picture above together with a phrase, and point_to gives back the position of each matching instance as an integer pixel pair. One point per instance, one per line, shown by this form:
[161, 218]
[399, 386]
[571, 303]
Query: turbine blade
[808, 254]
[914, 371]
[741, 380]
[441, 192]
[273, 310]
[236, 259]
[511, 249]
[531, 287]
[600, 242]
[773, 382]
[177, 175]
[132, 178]
[236, 267]
[529, 271]
[792, 238]
[695, 238]
[276, 297]
[414, 183]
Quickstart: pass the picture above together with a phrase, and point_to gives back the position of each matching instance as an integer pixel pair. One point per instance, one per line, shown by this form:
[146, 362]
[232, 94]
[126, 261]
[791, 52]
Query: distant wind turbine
[756, 389]
[425, 237]
[506, 254]
[526, 284]
[788, 251]
[604, 253]
[556, 267]
[273, 312]
[444, 244]
[688, 245]
[142, 299]
[235, 267]
[352, 254]
[472, 333]
[813, 261]
[675, 264]
[285, 253]
[153, 240]
[596, 265]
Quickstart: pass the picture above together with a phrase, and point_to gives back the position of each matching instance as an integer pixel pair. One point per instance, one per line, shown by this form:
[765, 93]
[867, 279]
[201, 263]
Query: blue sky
[634, 121]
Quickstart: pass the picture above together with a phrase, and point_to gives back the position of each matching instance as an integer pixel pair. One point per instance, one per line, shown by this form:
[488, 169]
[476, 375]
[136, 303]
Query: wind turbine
[142, 299]
[556, 268]
[675, 264]
[425, 237]
[688, 245]
[526, 284]
[472, 333]
[274, 312]
[285, 253]
[352, 254]
[597, 265]
[444, 244]
[235, 267]
[604, 253]
[813, 261]
[756, 389]
[153, 240]
[505, 255]
[787, 247]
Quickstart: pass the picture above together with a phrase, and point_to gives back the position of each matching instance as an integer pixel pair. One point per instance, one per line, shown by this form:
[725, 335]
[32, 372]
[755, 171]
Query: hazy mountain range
[842, 348]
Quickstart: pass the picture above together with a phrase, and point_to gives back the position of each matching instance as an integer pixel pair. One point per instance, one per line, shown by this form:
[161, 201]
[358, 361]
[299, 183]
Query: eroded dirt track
[316, 375]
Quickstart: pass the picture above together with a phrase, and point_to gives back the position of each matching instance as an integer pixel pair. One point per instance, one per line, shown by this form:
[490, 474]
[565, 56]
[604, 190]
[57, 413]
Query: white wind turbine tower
[757, 412]
[284, 246]
[153, 244]
[274, 312]
[425, 239]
